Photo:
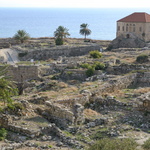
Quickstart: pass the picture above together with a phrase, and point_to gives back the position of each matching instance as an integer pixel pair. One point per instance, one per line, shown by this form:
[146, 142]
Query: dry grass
[89, 113]
[50, 94]
[142, 90]
[69, 90]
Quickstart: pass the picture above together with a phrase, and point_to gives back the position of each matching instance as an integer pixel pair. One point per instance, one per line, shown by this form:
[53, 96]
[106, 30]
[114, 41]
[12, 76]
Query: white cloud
[74, 3]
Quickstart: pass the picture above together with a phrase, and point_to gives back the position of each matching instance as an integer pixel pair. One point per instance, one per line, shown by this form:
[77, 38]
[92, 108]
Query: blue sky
[76, 3]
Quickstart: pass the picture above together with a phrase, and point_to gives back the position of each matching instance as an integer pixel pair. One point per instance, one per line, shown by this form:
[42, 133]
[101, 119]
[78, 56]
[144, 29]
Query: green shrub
[99, 66]
[15, 106]
[3, 134]
[142, 58]
[50, 146]
[90, 72]
[95, 54]
[146, 145]
[114, 144]
[1, 110]
[59, 41]
[85, 65]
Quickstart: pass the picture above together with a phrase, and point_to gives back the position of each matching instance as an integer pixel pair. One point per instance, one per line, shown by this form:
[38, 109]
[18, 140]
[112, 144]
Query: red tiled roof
[136, 17]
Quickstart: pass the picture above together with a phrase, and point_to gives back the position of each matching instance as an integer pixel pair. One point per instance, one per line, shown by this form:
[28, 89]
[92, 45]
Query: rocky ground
[45, 116]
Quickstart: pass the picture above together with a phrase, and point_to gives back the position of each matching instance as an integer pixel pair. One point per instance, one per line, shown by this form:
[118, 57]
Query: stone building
[136, 24]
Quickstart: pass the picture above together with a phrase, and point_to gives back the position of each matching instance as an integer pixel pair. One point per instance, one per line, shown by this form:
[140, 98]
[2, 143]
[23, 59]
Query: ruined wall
[126, 68]
[117, 84]
[7, 42]
[22, 73]
[57, 113]
[6, 121]
[143, 79]
[73, 74]
[55, 52]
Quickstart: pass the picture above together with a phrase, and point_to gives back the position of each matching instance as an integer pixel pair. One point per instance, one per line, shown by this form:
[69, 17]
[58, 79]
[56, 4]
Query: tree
[21, 36]
[84, 30]
[7, 89]
[61, 33]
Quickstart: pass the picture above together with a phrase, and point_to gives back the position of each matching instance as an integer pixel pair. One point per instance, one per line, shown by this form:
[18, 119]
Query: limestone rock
[123, 42]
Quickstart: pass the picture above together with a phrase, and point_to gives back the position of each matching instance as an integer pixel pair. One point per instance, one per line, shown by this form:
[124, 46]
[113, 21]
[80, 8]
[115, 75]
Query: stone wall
[126, 68]
[143, 79]
[22, 73]
[73, 74]
[57, 113]
[7, 42]
[58, 51]
[117, 84]
[6, 121]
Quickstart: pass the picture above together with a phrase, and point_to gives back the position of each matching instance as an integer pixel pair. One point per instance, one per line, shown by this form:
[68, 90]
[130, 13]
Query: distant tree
[84, 30]
[7, 88]
[61, 33]
[21, 36]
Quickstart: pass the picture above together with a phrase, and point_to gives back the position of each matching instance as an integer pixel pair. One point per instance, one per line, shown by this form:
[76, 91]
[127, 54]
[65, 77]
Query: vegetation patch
[95, 54]
[99, 66]
[146, 145]
[3, 134]
[114, 144]
[90, 72]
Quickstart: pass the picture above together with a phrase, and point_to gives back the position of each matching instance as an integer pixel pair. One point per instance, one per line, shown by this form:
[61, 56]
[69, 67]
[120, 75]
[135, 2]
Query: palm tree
[7, 89]
[21, 36]
[84, 30]
[61, 33]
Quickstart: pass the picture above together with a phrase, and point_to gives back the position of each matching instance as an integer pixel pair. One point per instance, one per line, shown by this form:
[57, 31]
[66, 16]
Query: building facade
[136, 24]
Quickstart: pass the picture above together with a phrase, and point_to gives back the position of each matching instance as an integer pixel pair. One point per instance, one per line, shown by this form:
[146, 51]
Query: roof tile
[136, 17]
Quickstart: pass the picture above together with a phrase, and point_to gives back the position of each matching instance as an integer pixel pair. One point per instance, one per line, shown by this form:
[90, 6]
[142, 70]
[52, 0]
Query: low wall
[57, 113]
[125, 68]
[22, 73]
[6, 122]
[117, 84]
[73, 74]
[143, 79]
[58, 51]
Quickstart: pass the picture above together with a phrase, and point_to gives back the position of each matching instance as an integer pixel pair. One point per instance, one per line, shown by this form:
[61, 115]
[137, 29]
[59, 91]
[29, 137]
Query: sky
[77, 3]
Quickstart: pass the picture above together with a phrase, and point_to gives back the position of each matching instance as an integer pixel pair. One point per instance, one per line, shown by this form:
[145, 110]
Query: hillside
[66, 105]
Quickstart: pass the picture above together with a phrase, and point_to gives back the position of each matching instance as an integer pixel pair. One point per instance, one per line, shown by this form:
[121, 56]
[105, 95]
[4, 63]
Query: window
[133, 27]
[140, 29]
[127, 27]
[118, 28]
[123, 28]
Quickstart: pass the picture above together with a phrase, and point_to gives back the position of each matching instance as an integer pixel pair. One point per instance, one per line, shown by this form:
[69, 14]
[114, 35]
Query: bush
[95, 54]
[86, 65]
[142, 58]
[146, 145]
[114, 144]
[15, 107]
[99, 66]
[59, 41]
[3, 134]
[90, 72]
